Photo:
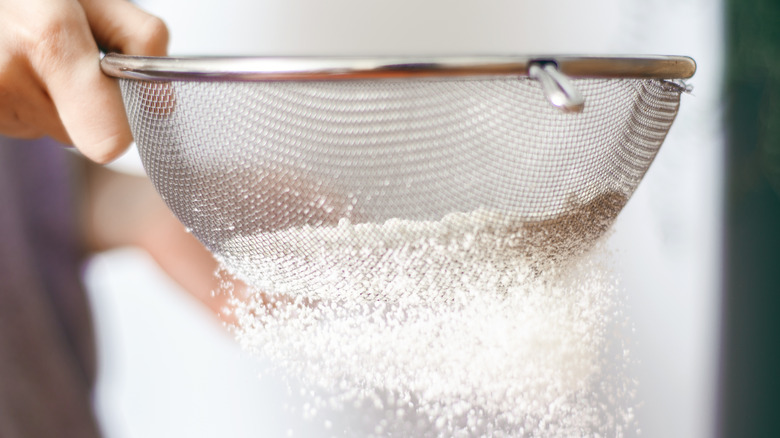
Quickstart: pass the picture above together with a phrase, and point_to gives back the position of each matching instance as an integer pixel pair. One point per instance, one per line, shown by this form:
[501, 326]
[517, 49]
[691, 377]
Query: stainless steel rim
[333, 68]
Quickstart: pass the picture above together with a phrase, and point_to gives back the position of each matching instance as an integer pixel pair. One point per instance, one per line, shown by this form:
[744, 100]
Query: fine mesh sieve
[338, 177]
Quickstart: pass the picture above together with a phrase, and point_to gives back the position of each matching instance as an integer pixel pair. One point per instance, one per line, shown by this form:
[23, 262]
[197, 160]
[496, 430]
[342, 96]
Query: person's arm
[50, 78]
[122, 210]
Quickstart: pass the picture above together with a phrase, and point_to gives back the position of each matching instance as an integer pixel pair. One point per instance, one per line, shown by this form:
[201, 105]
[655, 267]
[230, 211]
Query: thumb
[120, 26]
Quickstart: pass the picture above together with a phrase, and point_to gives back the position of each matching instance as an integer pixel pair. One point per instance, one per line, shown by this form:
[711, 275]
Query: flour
[449, 328]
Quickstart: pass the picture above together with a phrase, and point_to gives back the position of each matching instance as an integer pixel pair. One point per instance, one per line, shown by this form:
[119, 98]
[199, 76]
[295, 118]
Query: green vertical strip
[750, 356]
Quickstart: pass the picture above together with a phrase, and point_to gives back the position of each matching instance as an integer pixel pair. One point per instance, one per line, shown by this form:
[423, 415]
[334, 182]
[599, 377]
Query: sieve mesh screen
[275, 177]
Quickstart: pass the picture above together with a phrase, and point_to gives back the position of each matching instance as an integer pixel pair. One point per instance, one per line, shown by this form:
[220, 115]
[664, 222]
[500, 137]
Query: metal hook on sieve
[559, 90]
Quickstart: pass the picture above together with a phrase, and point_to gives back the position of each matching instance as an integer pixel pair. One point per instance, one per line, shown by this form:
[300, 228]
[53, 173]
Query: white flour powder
[447, 328]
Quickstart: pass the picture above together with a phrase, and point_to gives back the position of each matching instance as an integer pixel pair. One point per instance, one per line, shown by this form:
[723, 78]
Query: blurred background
[696, 247]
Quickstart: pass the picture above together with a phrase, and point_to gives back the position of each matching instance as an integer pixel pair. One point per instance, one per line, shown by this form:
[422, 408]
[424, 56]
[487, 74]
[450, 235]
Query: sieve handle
[559, 90]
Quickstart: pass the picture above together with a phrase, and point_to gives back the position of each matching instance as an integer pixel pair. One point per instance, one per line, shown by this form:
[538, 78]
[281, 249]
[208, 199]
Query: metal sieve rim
[344, 68]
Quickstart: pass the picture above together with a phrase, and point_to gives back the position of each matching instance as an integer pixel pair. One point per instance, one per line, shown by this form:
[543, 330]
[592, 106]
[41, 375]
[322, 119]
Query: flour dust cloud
[474, 325]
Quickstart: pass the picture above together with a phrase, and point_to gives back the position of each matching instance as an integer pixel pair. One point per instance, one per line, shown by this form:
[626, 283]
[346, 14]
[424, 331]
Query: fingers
[26, 111]
[66, 58]
[50, 78]
[119, 26]
[88, 102]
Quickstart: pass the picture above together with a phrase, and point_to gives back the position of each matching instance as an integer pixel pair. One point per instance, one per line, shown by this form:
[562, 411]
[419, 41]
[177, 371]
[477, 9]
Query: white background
[167, 369]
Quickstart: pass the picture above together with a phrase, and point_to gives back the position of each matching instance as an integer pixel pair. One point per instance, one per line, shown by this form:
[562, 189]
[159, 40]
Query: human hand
[50, 77]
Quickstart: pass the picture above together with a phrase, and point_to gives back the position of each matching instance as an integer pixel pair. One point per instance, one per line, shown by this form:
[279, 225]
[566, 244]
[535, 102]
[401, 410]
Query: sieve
[317, 176]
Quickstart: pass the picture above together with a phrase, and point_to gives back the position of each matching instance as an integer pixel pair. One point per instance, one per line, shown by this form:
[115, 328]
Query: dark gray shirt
[47, 358]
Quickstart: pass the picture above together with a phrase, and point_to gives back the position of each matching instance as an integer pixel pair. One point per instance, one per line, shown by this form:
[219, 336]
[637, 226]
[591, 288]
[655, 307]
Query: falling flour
[474, 325]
